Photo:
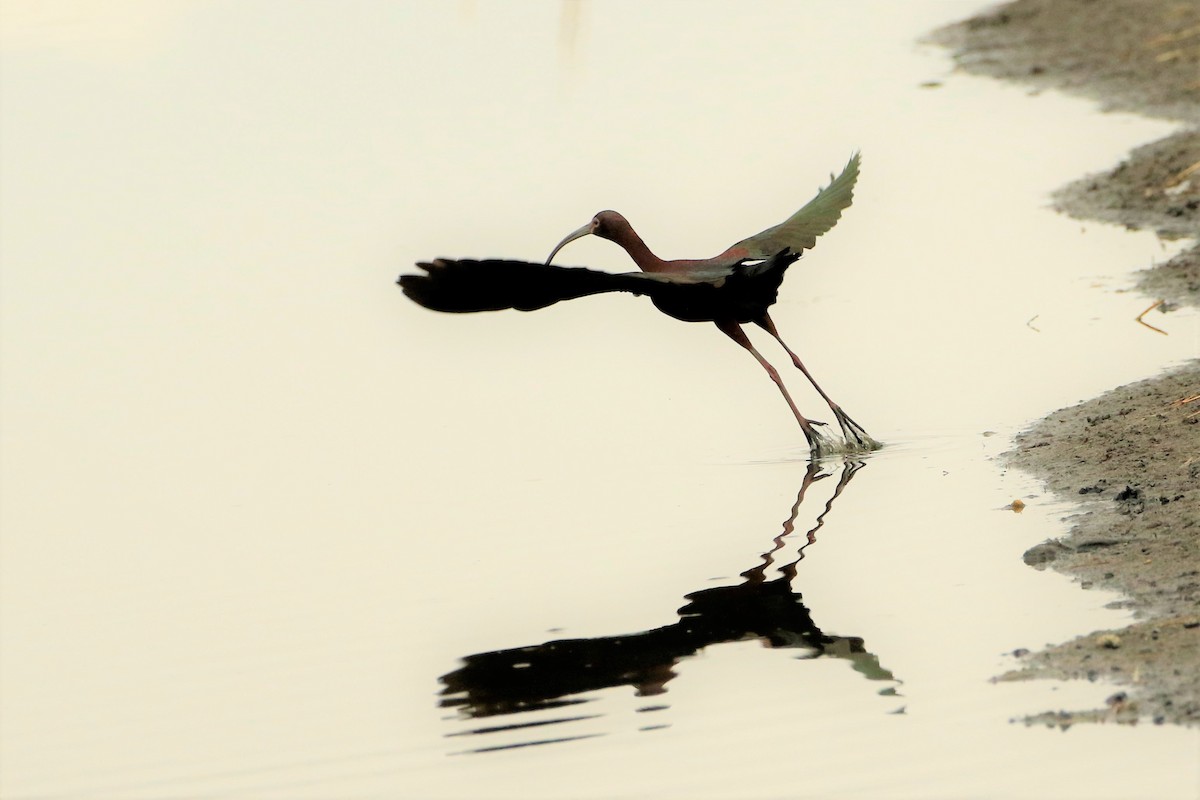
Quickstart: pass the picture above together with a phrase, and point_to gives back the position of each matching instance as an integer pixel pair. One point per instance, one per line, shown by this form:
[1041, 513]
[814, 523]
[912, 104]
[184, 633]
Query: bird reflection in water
[554, 675]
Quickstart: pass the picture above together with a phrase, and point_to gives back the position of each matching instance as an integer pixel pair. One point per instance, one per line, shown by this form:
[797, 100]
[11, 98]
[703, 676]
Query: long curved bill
[570, 237]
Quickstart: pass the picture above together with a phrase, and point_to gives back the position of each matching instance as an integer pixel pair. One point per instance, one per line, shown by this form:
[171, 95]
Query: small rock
[1131, 499]
[1042, 554]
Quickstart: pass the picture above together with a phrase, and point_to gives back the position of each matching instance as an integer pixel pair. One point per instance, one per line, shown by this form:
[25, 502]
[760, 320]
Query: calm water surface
[270, 530]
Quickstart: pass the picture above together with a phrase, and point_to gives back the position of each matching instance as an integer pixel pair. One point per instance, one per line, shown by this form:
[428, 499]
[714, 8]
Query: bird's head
[606, 224]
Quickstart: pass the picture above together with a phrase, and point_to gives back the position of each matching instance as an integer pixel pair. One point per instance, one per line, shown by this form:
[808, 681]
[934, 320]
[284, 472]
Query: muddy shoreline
[1132, 455]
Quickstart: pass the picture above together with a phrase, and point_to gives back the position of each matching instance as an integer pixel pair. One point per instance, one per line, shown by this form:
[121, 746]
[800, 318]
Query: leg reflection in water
[555, 673]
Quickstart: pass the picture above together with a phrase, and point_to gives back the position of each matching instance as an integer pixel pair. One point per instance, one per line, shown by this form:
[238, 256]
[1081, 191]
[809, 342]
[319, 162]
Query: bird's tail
[491, 285]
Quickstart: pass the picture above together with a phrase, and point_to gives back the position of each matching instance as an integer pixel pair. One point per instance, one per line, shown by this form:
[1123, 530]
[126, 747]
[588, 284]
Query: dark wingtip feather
[431, 290]
[415, 287]
[441, 289]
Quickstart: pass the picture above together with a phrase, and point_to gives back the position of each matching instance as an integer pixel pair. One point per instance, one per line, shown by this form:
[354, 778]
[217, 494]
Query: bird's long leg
[850, 429]
[734, 331]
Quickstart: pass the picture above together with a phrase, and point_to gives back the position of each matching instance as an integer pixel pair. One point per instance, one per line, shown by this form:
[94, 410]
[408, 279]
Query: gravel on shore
[1132, 455]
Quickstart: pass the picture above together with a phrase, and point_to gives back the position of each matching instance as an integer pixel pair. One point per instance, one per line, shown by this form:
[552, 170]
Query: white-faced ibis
[735, 287]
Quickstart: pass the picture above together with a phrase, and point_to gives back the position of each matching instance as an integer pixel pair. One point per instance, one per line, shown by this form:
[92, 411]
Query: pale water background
[255, 502]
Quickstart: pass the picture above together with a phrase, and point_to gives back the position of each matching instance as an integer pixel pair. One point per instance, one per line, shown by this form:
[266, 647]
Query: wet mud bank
[1132, 455]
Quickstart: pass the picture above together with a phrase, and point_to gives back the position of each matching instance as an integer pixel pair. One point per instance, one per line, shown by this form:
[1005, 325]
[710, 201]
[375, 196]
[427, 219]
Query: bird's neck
[639, 252]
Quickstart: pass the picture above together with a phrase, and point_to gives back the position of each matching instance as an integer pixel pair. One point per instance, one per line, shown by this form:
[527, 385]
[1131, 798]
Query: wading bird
[735, 287]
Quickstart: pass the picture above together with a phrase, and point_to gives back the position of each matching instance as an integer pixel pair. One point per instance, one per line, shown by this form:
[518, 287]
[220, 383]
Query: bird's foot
[820, 444]
[856, 435]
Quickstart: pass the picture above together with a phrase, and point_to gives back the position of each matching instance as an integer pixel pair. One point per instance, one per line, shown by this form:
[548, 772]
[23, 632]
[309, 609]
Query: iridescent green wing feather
[800, 231]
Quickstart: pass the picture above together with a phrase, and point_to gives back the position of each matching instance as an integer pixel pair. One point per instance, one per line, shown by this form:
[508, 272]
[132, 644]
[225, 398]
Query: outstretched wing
[800, 231]
[494, 284]
[742, 292]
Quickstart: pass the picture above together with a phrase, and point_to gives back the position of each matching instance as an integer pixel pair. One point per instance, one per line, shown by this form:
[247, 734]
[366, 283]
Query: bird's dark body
[744, 293]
